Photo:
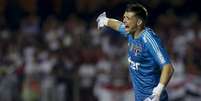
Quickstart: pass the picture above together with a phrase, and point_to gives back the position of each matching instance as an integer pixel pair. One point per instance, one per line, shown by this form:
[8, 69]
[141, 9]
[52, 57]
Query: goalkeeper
[149, 65]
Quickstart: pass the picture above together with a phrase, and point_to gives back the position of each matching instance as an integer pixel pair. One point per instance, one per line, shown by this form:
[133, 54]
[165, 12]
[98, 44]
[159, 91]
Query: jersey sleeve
[122, 30]
[157, 50]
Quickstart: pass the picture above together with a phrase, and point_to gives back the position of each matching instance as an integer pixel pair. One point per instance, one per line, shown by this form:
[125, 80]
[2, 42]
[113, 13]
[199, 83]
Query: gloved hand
[153, 97]
[102, 20]
[156, 93]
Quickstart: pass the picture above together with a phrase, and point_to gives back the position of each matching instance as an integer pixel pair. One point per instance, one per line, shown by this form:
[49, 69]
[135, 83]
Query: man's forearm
[114, 24]
[166, 74]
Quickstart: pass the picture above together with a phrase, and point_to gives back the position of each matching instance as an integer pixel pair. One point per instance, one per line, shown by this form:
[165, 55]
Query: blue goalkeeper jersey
[146, 56]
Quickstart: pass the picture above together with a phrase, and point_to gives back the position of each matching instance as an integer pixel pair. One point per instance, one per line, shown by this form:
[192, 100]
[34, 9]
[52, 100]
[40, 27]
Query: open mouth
[126, 27]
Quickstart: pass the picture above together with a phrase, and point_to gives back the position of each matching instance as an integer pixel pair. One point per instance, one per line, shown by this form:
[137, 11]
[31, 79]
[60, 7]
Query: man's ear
[139, 22]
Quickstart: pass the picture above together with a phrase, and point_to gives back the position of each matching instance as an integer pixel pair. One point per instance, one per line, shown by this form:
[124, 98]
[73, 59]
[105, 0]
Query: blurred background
[51, 50]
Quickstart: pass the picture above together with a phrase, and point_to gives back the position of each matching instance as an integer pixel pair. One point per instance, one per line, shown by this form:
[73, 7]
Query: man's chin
[127, 30]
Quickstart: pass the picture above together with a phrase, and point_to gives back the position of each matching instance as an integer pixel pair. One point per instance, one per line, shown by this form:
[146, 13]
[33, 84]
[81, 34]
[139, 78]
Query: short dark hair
[139, 10]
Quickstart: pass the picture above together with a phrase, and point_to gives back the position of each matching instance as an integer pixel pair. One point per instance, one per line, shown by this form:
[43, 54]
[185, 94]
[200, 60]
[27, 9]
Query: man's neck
[138, 32]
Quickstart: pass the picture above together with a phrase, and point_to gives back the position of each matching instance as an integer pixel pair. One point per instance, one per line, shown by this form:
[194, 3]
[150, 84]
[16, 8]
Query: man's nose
[124, 20]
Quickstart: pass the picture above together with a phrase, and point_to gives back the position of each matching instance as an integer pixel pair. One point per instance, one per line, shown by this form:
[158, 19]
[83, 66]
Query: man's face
[130, 21]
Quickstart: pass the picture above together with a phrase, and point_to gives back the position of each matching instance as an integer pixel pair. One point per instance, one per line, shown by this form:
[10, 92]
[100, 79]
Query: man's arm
[166, 74]
[161, 57]
[114, 24]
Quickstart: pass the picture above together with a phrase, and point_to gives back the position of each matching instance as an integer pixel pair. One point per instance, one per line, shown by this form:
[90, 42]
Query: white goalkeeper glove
[102, 20]
[152, 98]
[156, 93]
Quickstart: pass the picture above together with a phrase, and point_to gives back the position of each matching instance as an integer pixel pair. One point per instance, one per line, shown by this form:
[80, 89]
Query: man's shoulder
[149, 34]
[149, 31]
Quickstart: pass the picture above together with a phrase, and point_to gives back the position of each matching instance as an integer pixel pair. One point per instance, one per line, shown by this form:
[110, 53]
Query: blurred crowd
[51, 50]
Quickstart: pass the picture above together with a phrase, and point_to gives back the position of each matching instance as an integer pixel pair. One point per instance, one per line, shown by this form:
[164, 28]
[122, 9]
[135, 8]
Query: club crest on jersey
[135, 48]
